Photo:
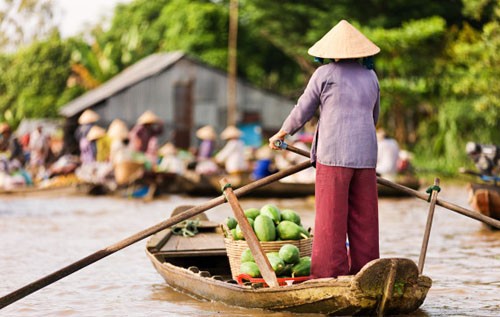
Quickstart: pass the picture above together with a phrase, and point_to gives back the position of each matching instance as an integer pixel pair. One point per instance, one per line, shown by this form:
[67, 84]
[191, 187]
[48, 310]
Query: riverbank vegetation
[438, 67]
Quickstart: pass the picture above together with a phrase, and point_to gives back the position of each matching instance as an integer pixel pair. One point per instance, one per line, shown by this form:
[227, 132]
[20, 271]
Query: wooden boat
[485, 198]
[40, 191]
[58, 185]
[199, 266]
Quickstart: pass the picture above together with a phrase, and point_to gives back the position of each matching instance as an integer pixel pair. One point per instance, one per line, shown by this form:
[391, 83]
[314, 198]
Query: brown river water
[41, 234]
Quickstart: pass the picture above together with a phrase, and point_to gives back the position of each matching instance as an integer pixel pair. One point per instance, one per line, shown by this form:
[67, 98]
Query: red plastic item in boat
[282, 281]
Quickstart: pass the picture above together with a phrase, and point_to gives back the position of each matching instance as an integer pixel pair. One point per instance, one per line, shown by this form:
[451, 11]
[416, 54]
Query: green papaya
[288, 230]
[251, 222]
[231, 222]
[239, 233]
[264, 228]
[233, 234]
[276, 262]
[250, 268]
[272, 212]
[303, 267]
[246, 256]
[289, 253]
[252, 213]
[287, 270]
[290, 215]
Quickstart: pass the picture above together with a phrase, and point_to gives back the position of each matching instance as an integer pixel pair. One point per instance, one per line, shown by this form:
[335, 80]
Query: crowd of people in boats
[110, 155]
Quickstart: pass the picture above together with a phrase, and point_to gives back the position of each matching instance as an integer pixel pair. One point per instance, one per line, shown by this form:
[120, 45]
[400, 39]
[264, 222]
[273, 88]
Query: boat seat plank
[158, 240]
[199, 242]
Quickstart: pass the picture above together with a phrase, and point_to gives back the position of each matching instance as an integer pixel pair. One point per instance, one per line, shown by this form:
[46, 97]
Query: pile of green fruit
[285, 263]
[270, 224]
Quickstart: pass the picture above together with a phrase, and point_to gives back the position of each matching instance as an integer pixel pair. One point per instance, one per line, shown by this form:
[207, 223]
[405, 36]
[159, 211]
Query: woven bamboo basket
[127, 172]
[234, 248]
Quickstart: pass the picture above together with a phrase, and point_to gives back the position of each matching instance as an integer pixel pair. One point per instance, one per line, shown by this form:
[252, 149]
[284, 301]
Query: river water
[41, 234]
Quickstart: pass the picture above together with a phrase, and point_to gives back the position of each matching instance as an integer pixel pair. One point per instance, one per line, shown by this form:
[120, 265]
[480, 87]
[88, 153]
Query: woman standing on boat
[344, 151]
[87, 149]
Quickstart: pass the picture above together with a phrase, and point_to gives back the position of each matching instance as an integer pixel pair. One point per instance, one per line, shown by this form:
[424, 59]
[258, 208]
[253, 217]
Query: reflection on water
[42, 234]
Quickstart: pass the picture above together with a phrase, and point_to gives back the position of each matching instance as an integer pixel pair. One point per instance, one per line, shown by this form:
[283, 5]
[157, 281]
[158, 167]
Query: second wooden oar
[456, 208]
[96, 256]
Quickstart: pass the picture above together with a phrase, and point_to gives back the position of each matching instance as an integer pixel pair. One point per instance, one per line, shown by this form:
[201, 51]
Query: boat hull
[347, 295]
[485, 198]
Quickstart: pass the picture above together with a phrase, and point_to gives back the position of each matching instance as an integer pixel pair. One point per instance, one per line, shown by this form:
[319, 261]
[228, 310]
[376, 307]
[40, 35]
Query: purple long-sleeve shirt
[348, 96]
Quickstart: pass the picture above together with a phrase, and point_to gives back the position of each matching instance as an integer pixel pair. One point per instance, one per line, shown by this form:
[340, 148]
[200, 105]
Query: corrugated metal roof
[144, 68]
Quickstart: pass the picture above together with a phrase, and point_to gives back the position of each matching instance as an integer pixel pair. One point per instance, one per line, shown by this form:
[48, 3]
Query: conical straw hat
[264, 152]
[95, 133]
[206, 133]
[343, 41]
[167, 149]
[231, 132]
[88, 116]
[118, 130]
[148, 117]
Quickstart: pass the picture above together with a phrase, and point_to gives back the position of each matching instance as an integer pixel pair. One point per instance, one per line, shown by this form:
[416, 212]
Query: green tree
[468, 99]
[34, 80]
[406, 69]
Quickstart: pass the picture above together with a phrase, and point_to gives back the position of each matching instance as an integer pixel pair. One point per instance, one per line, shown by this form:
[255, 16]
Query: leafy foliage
[468, 95]
[33, 80]
[437, 68]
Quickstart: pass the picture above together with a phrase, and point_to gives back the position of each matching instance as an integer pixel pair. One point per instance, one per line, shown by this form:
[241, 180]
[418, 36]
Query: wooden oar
[456, 208]
[96, 256]
[260, 257]
[427, 233]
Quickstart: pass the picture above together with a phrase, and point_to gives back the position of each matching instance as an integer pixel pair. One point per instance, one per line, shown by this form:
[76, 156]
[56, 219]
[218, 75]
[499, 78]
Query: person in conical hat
[232, 155]
[206, 133]
[88, 116]
[144, 135]
[387, 156]
[170, 162]
[343, 41]
[167, 149]
[344, 150]
[118, 135]
[206, 149]
[96, 132]
[98, 137]
[87, 149]
[148, 117]
[117, 130]
[231, 132]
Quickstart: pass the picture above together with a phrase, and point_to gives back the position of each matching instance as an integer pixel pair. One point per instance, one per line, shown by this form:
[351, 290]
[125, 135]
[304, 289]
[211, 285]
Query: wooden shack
[184, 92]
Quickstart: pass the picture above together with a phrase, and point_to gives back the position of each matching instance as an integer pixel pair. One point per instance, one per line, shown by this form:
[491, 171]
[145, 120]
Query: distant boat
[208, 185]
[485, 198]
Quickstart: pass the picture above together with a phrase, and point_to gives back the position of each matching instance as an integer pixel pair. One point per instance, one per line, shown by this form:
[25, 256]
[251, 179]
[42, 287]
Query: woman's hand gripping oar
[458, 209]
[96, 256]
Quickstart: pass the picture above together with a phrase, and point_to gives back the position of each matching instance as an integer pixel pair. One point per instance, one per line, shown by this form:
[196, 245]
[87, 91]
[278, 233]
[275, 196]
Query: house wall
[210, 100]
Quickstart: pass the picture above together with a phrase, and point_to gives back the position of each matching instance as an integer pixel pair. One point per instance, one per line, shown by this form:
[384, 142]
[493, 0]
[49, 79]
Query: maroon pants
[346, 207]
